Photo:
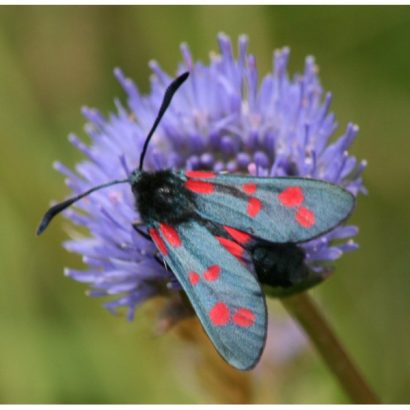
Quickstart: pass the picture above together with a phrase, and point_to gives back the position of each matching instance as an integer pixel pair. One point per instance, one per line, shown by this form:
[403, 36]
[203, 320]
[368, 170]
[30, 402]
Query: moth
[223, 234]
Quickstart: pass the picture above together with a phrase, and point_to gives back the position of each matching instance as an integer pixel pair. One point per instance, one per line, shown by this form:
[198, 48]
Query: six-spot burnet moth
[223, 234]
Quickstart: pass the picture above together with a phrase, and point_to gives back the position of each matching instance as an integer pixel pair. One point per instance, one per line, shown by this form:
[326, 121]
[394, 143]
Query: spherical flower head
[225, 118]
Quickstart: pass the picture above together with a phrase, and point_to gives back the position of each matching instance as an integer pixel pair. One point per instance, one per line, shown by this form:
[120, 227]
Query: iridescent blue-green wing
[274, 209]
[224, 294]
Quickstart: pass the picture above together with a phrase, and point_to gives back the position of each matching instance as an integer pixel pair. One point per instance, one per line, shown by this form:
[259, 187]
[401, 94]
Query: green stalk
[306, 312]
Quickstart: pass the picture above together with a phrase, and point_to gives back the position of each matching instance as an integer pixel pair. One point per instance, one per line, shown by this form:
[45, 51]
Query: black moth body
[161, 196]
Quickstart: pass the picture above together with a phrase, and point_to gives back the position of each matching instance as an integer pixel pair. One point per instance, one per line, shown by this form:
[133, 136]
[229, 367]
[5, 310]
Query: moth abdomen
[279, 264]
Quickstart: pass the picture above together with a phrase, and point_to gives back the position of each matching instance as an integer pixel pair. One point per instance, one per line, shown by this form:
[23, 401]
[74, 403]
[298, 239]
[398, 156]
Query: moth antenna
[169, 93]
[56, 209]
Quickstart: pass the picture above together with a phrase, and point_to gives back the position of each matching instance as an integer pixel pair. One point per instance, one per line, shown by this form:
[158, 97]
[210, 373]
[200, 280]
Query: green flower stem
[306, 312]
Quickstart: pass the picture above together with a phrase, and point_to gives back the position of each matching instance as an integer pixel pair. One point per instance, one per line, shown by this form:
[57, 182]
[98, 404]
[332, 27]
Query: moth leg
[136, 225]
[157, 255]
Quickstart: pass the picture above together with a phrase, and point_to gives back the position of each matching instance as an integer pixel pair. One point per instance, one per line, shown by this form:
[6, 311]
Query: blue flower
[224, 118]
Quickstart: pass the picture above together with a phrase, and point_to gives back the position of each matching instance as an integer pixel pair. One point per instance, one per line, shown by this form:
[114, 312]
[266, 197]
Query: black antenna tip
[173, 87]
[50, 214]
[43, 225]
[183, 77]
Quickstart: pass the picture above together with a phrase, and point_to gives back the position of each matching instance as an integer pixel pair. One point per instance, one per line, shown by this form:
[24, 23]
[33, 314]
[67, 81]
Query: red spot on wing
[254, 207]
[249, 188]
[200, 187]
[305, 217]
[231, 246]
[219, 314]
[193, 278]
[200, 174]
[212, 273]
[292, 196]
[158, 241]
[170, 234]
[239, 236]
[244, 317]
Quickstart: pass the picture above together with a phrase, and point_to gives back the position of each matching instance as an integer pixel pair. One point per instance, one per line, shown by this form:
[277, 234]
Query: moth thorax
[161, 196]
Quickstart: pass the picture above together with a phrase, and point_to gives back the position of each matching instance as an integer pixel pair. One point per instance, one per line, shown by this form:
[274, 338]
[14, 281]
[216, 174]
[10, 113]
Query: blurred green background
[58, 346]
